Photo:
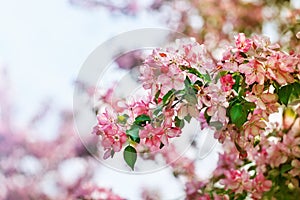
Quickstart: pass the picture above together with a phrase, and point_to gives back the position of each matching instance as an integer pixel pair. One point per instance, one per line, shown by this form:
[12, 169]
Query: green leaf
[295, 95]
[179, 123]
[238, 115]
[168, 96]
[286, 167]
[112, 153]
[243, 54]
[187, 82]
[218, 125]
[205, 77]
[191, 98]
[253, 167]
[236, 85]
[256, 140]
[130, 156]
[133, 133]
[207, 117]
[157, 110]
[249, 106]
[122, 119]
[141, 120]
[284, 94]
[188, 118]
[199, 83]
[296, 87]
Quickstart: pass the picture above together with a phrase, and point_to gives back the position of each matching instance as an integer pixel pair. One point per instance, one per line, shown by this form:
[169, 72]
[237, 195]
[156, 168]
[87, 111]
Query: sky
[44, 44]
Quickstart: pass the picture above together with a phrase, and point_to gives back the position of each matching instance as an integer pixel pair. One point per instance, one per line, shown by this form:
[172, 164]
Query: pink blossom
[290, 145]
[180, 165]
[217, 104]
[296, 168]
[152, 136]
[254, 72]
[229, 62]
[276, 156]
[263, 100]
[139, 107]
[113, 137]
[236, 180]
[187, 109]
[280, 66]
[147, 77]
[202, 120]
[170, 133]
[197, 56]
[192, 188]
[260, 185]
[242, 43]
[106, 120]
[173, 79]
[88, 191]
[227, 82]
[263, 43]
[255, 126]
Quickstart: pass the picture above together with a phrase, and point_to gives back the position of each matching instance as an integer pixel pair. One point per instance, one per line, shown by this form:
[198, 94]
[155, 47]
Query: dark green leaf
[205, 77]
[112, 153]
[243, 54]
[179, 123]
[207, 117]
[130, 156]
[253, 167]
[133, 133]
[284, 94]
[236, 85]
[249, 106]
[295, 95]
[168, 96]
[199, 83]
[142, 120]
[238, 115]
[286, 167]
[195, 72]
[296, 87]
[256, 141]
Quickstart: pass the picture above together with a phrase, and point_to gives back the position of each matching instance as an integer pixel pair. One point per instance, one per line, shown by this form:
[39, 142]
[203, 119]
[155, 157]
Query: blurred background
[43, 45]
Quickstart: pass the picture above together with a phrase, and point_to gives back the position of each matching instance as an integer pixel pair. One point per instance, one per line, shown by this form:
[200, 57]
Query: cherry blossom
[227, 82]
[242, 43]
[233, 97]
[254, 72]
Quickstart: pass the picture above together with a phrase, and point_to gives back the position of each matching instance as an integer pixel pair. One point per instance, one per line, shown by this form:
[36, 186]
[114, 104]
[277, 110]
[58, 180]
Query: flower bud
[289, 116]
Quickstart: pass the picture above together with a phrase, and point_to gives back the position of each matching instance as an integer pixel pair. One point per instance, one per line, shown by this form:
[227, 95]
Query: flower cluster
[234, 97]
[271, 169]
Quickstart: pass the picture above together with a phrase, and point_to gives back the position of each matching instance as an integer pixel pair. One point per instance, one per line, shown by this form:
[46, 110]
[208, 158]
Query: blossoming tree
[235, 97]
